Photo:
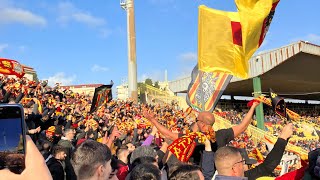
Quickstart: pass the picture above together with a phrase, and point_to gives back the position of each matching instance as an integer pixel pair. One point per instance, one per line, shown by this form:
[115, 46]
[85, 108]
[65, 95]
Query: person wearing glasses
[230, 164]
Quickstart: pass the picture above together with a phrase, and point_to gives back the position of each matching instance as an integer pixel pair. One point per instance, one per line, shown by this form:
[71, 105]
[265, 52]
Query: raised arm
[238, 129]
[207, 163]
[274, 157]
[150, 138]
[163, 130]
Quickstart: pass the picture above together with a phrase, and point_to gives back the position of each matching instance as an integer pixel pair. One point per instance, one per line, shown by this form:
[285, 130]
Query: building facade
[30, 73]
[122, 92]
[87, 89]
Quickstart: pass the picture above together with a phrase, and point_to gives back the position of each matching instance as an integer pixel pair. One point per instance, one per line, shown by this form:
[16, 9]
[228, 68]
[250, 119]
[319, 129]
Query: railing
[162, 97]
[257, 134]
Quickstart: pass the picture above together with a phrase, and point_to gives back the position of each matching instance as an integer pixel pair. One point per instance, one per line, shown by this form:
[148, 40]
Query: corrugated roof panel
[311, 49]
[262, 62]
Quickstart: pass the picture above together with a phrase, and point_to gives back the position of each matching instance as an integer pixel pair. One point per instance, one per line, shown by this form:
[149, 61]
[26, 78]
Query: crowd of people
[305, 134]
[127, 140]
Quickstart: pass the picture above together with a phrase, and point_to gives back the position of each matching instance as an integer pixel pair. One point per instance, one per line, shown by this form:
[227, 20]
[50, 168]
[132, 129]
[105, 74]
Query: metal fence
[163, 97]
[257, 134]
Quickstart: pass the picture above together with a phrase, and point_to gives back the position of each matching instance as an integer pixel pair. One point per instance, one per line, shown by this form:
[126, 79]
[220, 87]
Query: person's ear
[100, 170]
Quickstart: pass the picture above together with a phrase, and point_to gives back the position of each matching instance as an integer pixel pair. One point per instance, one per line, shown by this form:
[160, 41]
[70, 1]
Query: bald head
[206, 117]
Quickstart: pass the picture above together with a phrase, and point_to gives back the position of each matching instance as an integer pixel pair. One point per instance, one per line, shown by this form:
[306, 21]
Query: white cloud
[62, 78]
[97, 68]
[312, 38]
[155, 75]
[68, 12]
[188, 56]
[184, 71]
[88, 19]
[10, 15]
[3, 47]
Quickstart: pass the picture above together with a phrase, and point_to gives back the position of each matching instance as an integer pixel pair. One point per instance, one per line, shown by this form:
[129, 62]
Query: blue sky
[85, 41]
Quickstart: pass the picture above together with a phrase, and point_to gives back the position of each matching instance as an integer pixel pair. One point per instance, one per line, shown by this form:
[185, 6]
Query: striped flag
[102, 94]
[205, 89]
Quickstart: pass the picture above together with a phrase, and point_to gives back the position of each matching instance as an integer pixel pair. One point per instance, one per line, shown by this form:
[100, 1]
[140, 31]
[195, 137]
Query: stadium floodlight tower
[128, 6]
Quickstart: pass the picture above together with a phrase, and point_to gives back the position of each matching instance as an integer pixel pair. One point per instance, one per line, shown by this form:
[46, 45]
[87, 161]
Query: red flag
[11, 67]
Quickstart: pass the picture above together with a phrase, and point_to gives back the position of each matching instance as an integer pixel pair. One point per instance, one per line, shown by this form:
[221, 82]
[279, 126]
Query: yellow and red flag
[292, 115]
[227, 40]
[255, 17]
[11, 67]
[257, 155]
[183, 147]
[220, 42]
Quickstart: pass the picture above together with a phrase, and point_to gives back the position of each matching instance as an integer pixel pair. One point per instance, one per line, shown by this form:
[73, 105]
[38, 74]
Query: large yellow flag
[255, 18]
[220, 42]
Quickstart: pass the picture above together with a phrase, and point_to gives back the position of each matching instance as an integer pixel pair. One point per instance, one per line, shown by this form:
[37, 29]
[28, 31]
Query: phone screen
[12, 141]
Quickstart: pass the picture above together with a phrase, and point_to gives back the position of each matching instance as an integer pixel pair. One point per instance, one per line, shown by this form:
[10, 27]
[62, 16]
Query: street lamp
[128, 6]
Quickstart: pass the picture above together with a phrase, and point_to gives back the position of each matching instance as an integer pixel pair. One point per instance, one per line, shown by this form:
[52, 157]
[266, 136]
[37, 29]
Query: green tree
[156, 85]
[141, 87]
[148, 82]
[35, 77]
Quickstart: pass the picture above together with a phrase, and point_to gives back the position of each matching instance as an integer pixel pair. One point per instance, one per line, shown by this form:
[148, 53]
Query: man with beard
[56, 163]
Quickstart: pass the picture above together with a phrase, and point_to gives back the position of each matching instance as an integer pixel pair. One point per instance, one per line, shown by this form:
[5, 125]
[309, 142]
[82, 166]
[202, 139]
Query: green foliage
[148, 82]
[35, 77]
[141, 87]
[156, 85]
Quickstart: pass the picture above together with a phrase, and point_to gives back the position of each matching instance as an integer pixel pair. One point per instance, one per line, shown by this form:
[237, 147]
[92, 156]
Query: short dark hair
[88, 156]
[145, 171]
[57, 149]
[186, 171]
[143, 160]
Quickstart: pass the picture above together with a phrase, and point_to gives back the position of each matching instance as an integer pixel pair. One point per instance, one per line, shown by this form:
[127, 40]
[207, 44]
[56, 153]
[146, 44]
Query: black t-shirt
[223, 137]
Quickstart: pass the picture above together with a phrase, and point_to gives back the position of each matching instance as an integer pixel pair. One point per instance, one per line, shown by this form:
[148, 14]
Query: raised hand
[149, 115]
[287, 131]
[115, 133]
[255, 104]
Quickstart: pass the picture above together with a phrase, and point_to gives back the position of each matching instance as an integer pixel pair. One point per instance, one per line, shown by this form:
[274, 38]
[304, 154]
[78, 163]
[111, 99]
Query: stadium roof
[293, 71]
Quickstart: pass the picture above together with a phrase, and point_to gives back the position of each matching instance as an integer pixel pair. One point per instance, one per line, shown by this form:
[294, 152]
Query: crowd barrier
[162, 97]
[257, 135]
[157, 96]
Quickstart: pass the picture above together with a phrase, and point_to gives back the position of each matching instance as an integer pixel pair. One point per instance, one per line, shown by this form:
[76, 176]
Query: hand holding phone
[12, 137]
[35, 165]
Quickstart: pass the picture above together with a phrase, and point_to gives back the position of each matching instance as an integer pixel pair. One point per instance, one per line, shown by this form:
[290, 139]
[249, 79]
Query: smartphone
[12, 138]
